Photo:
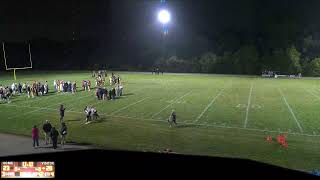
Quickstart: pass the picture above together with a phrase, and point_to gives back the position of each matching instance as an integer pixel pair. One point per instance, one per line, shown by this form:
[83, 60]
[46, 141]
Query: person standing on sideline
[35, 136]
[55, 86]
[28, 91]
[172, 118]
[54, 137]
[62, 109]
[110, 94]
[113, 93]
[63, 133]
[47, 129]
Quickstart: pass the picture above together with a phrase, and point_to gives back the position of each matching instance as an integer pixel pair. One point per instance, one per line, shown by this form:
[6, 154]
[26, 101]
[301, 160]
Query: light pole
[164, 17]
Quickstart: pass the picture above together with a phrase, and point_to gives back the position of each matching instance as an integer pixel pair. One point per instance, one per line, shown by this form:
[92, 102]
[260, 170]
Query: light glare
[164, 16]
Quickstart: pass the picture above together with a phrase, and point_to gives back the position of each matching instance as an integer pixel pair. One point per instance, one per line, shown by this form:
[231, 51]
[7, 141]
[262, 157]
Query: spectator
[61, 85]
[55, 86]
[54, 137]
[89, 85]
[35, 136]
[28, 91]
[42, 89]
[113, 94]
[63, 133]
[62, 109]
[47, 129]
[104, 94]
[69, 86]
[98, 93]
[20, 88]
[110, 94]
[65, 87]
[46, 88]
[24, 87]
[117, 91]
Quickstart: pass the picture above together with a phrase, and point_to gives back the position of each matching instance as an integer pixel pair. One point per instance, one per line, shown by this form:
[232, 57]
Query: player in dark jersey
[62, 109]
[172, 118]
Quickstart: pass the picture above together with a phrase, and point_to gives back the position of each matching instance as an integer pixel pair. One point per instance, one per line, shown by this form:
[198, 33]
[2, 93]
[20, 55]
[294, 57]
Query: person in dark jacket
[104, 93]
[20, 88]
[65, 87]
[54, 137]
[47, 129]
[35, 136]
[172, 118]
[63, 133]
[28, 91]
[62, 109]
[110, 94]
[113, 93]
[42, 89]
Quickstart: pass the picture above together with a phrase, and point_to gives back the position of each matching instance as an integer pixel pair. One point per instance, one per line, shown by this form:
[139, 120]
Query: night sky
[129, 28]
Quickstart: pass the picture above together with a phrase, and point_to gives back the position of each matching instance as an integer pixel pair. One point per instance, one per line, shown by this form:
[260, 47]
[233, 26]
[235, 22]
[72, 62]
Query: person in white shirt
[121, 89]
[55, 86]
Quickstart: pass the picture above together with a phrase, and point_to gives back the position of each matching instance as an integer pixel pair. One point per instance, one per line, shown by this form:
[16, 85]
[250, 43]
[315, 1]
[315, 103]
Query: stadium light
[164, 16]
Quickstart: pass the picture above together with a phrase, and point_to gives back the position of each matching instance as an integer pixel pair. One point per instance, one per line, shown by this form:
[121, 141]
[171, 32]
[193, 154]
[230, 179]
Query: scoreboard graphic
[30, 169]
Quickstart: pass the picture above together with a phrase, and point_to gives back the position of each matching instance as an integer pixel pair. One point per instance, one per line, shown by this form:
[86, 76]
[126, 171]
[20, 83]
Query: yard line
[70, 100]
[39, 98]
[291, 111]
[30, 112]
[182, 122]
[248, 107]
[209, 105]
[129, 105]
[173, 101]
[312, 94]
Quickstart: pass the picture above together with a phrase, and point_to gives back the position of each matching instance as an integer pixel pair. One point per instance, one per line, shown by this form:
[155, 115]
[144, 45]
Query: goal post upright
[14, 74]
[14, 69]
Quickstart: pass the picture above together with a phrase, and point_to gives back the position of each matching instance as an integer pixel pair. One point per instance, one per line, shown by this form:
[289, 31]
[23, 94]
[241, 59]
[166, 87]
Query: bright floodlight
[164, 16]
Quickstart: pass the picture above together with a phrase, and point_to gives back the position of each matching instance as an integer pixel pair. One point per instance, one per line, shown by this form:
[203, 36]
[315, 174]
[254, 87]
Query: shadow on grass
[186, 126]
[100, 120]
[129, 94]
[73, 120]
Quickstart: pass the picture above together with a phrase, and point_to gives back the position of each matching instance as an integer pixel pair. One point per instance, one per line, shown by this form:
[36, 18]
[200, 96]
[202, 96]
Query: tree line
[249, 59]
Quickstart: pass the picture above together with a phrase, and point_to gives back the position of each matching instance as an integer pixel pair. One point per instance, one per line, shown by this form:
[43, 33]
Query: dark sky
[23, 20]
[136, 19]
[130, 26]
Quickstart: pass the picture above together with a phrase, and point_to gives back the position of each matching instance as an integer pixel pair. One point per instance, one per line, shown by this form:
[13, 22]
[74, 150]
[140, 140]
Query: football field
[224, 116]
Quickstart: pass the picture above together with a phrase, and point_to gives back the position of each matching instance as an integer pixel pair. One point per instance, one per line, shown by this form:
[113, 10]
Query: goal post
[16, 68]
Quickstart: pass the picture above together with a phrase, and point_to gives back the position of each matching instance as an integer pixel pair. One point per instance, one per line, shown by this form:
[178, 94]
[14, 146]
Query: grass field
[225, 116]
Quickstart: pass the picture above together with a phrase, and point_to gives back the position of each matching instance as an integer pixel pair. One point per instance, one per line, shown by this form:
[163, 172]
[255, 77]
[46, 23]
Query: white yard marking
[165, 121]
[129, 106]
[174, 100]
[248, 107]
[70, 100]
[291, 111]
[30, 112]
[209, 105]
[312, 94]
[70, 109]
[46, 97]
